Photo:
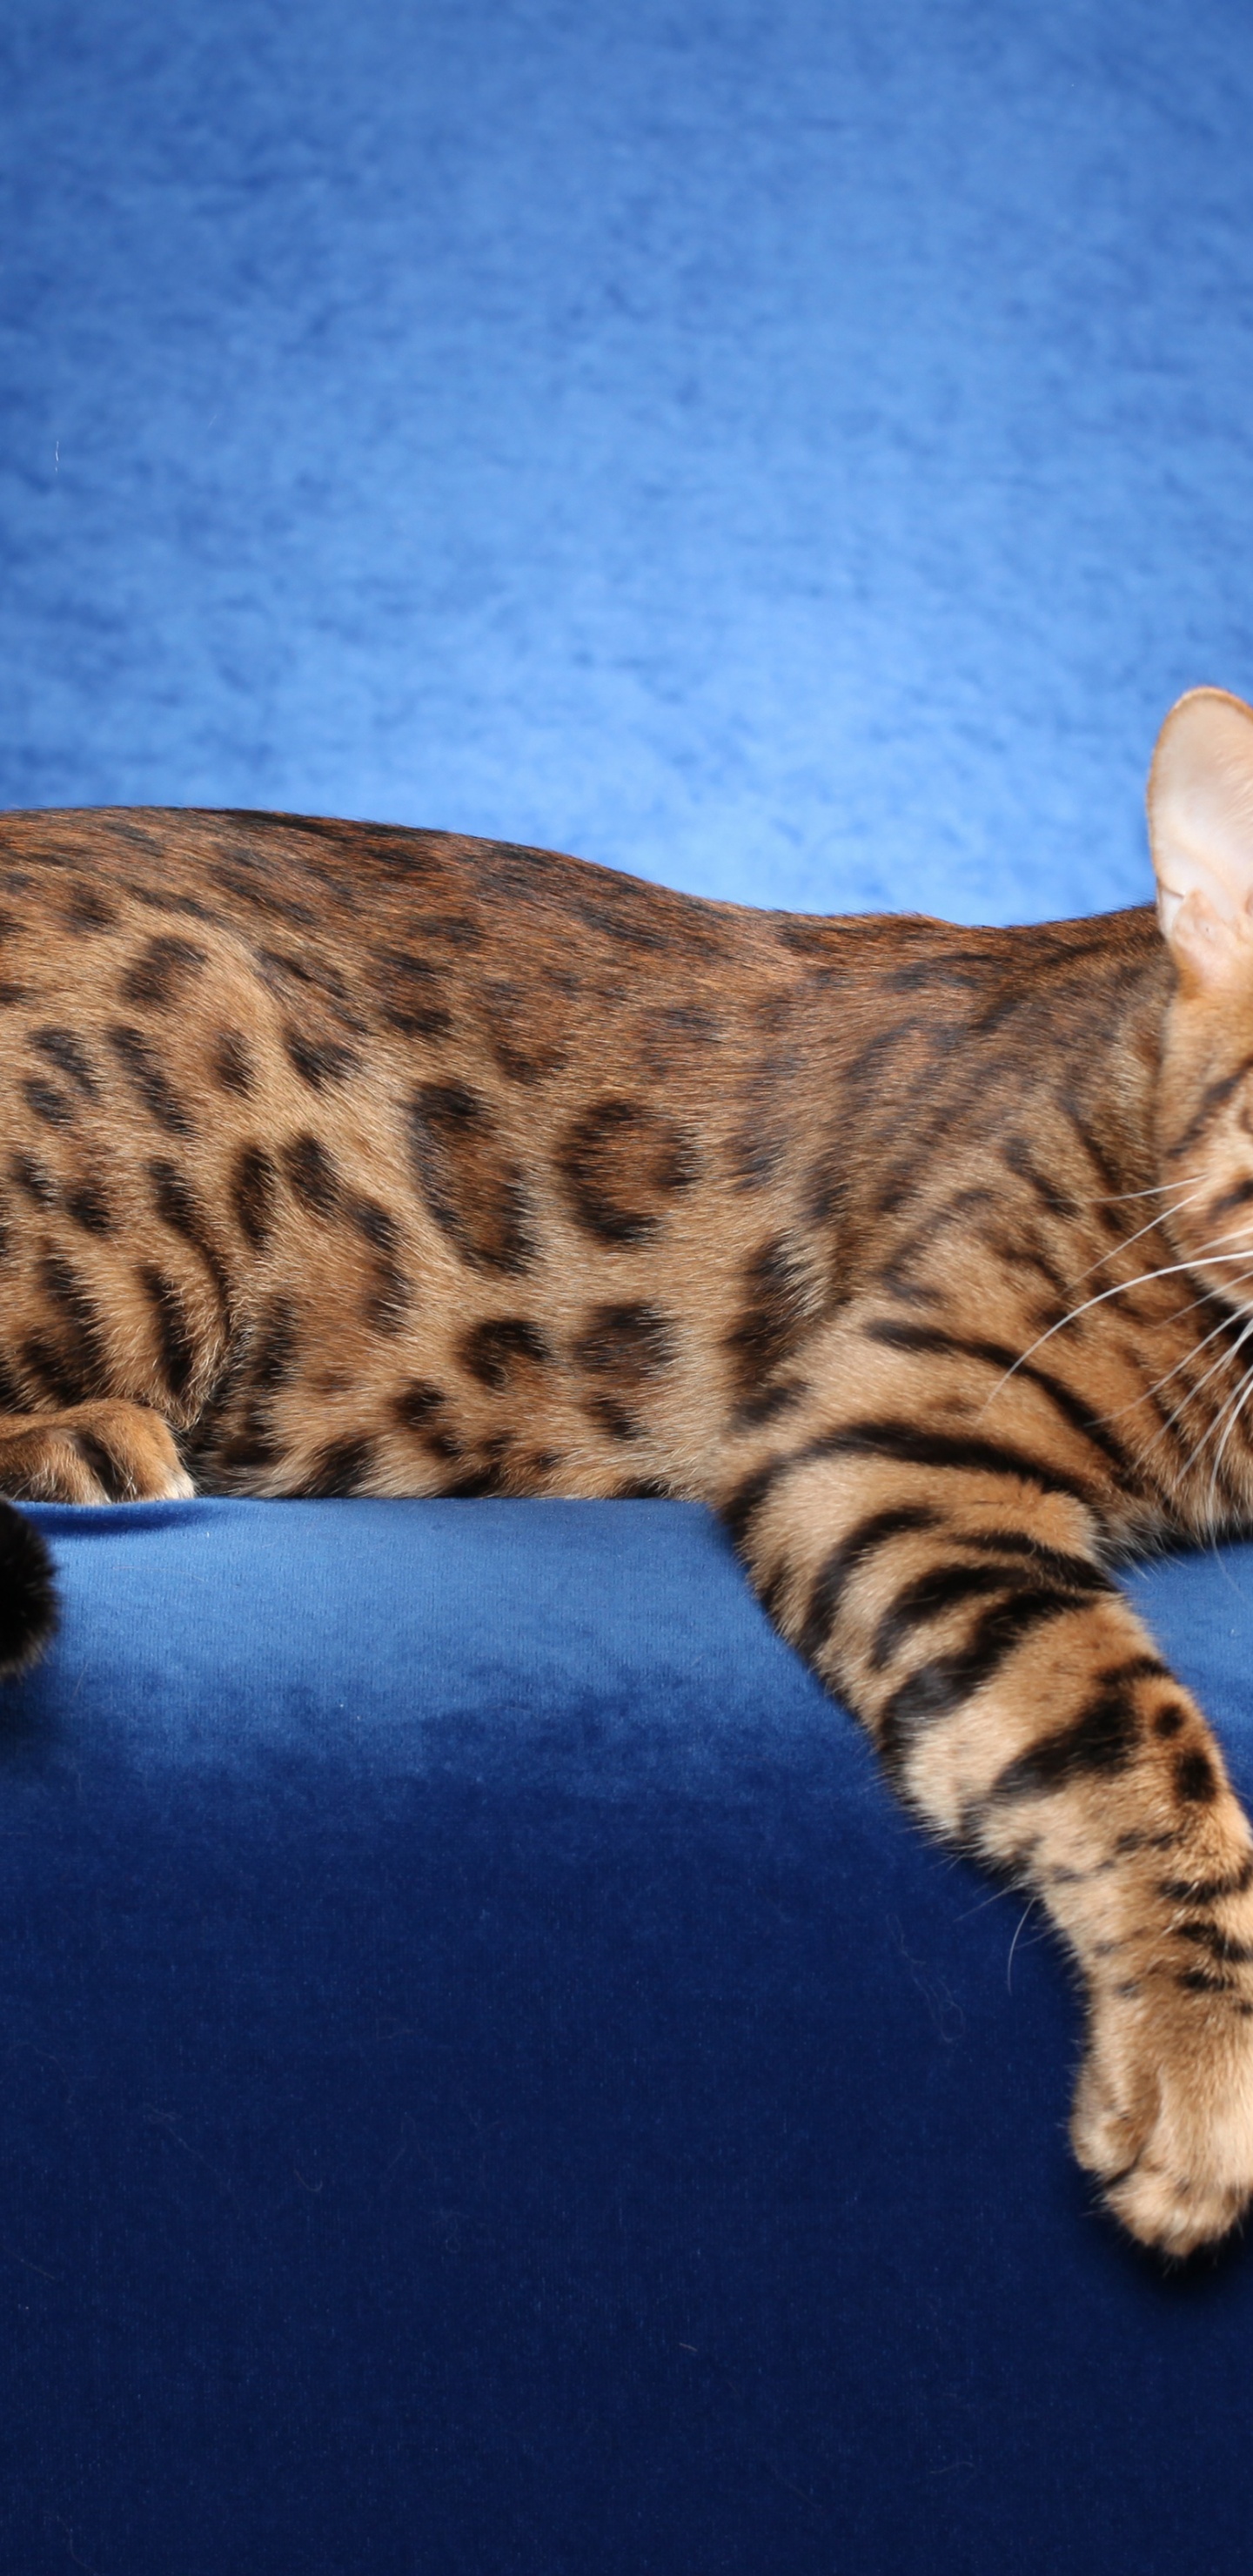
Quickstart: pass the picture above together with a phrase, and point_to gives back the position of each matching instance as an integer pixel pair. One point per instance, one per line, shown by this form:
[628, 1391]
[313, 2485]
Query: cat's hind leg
[109, 1452]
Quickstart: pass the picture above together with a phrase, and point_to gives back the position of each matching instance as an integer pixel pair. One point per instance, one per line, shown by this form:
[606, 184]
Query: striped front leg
[950, 1588]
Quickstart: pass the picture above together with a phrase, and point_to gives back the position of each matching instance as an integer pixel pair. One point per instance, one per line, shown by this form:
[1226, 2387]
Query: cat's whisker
[1160, 1217]
[1146, 1393]
[1173, 1419]
[1009, 1964]
[1122, 1287]
[1156, 1189]
[1236, 1411]
[1235, 1400]
[1239, 1307]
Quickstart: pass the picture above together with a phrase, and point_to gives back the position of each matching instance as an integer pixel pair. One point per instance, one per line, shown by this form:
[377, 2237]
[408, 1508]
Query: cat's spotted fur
[341, 1160]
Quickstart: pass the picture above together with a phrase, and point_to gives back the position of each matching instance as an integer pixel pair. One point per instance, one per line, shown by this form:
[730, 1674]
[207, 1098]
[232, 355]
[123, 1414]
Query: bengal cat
[348, 1160]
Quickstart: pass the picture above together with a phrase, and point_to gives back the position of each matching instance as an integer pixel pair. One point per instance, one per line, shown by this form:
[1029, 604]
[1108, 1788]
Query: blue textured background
[794, 450]
[491, 2084]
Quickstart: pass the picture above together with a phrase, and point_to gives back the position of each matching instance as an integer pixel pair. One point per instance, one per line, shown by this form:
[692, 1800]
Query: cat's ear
[1201, 831]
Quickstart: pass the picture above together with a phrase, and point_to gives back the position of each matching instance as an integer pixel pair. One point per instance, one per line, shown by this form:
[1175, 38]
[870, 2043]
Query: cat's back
[440, 938]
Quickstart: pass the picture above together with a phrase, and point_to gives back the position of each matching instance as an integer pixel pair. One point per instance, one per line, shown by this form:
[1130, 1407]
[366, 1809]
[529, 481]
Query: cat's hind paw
[111, 1452]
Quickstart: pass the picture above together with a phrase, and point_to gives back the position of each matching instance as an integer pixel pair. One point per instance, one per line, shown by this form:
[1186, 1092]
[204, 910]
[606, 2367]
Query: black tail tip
[28, 1599]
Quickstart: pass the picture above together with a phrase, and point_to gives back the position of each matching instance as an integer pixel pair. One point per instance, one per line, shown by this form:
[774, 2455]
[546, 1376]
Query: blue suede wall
[794, 448]
[491, 2084]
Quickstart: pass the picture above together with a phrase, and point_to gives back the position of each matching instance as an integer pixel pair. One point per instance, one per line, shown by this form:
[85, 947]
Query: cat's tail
[28, 1600]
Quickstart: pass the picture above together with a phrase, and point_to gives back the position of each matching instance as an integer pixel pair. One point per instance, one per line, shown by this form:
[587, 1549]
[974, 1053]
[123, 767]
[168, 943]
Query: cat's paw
[1163, 2112]
[91, 1453]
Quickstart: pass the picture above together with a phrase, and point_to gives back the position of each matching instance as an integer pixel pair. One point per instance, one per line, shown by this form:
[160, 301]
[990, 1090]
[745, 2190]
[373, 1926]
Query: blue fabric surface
[491, 2082]
[793, 448]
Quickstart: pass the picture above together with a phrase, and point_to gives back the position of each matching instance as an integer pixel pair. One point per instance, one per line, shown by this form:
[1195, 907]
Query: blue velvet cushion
[493, 2083]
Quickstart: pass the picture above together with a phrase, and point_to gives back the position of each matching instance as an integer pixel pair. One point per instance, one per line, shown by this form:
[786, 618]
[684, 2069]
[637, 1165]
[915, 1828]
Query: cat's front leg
[960, 1605]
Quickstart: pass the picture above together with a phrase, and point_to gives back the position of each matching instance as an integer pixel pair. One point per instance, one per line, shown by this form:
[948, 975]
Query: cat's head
[1200, 803]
